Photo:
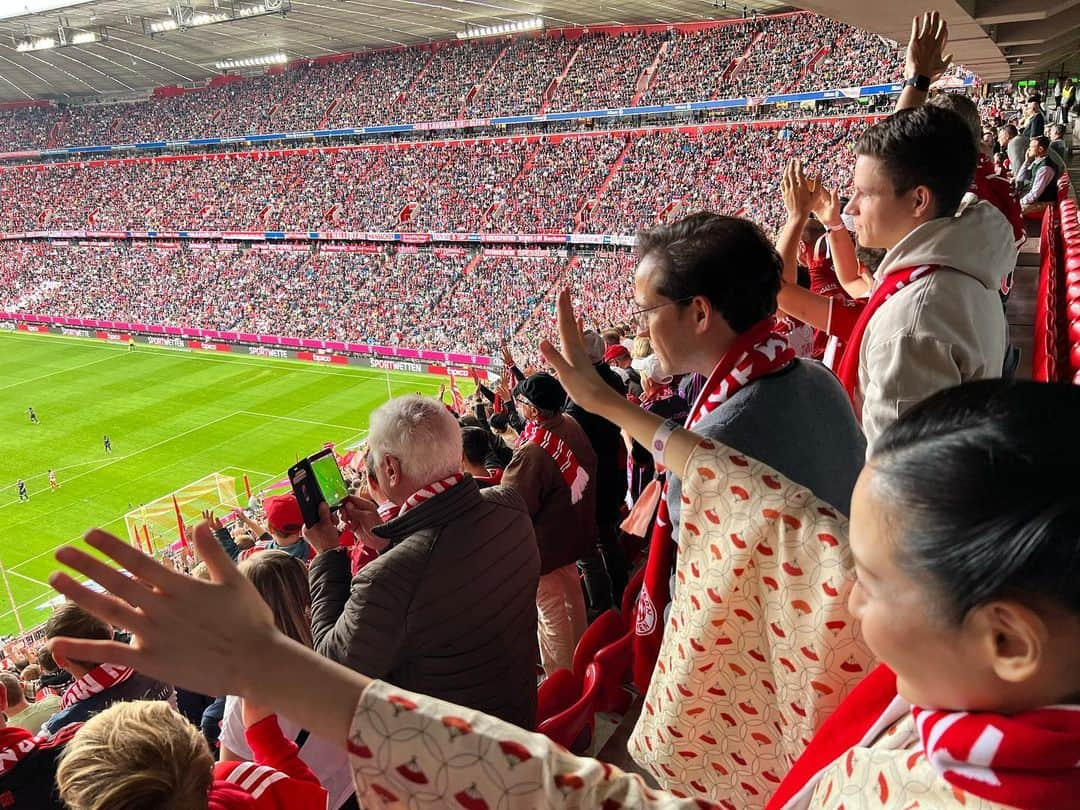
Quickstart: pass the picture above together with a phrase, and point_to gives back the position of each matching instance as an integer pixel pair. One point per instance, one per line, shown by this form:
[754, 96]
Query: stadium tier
[604, 183]
[561, 70]
[441, 300]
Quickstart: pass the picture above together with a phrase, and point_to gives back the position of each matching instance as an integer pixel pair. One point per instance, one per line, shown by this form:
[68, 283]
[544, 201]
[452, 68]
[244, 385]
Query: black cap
[543, 391]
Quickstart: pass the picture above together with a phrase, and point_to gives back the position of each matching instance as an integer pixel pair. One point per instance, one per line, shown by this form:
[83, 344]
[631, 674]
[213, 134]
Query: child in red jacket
[143, 755]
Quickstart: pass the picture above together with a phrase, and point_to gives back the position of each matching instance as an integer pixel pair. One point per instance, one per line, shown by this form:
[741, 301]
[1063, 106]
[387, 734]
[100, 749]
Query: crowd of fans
[559, 185]
[850, 581]
[438, 83]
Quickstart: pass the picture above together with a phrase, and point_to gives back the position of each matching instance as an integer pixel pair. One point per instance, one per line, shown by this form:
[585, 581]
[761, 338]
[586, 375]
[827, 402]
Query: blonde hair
[642, 348]
[282, 582]
[135, 756]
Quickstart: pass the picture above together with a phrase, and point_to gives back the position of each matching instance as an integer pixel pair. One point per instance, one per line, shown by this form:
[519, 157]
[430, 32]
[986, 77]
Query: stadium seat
[573, 727]
[630, 597]
[614, 662]
[606, 629]
[556, 694]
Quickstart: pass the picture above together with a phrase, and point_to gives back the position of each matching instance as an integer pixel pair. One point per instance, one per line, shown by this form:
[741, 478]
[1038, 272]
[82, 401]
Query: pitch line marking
[296, 419]
[59, 371]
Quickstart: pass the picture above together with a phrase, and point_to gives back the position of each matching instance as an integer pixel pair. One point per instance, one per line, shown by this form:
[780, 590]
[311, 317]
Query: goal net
[156, 521]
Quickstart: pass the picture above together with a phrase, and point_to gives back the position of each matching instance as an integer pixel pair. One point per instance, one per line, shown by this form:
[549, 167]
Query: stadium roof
[135, 57]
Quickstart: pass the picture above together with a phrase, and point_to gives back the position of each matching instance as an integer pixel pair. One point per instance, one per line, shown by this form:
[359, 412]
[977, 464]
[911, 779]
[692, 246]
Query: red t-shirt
[990, 186]
[823, 281]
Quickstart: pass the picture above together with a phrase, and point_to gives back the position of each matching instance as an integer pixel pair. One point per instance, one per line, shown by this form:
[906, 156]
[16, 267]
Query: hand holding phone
[315, 480]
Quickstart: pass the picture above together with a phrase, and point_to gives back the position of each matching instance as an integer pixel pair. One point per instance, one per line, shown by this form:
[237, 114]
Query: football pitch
[173, 417]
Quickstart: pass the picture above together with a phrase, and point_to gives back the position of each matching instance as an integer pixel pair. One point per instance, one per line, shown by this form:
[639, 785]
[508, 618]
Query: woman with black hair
[965, 543]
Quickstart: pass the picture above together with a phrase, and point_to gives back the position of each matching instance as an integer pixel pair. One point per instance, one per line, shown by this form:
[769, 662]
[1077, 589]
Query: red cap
[283, 514]
[615, 352]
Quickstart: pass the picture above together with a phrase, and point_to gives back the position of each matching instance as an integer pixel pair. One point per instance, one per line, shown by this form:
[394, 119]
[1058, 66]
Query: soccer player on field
[108, 443]
[23, 496]
[33, 416]
[53, 485]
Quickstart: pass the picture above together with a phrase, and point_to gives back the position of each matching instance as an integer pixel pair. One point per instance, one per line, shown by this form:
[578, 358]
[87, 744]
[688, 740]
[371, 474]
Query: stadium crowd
[559, 184]
[856, 582]
[460, 80]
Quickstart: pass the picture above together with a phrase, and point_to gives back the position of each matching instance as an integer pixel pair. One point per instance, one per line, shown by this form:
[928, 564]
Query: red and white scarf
[97, 680]
[756, 353]
[425, 493]
[848, 369]
[572, 472]
[1029, 761]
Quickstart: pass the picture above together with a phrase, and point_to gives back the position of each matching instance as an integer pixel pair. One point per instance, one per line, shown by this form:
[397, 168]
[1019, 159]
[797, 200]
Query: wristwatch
[920, 83]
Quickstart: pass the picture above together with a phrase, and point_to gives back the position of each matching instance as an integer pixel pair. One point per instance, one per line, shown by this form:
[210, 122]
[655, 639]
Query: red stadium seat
[630, 597]
[606, 629]
[573, 727]
[556, 694]
[614, 662]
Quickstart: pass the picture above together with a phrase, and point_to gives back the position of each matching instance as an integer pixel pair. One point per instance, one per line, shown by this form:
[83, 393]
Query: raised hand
[215, 523]
[176, 620]
[571, 363]
[926, 49]
[827, 207]
[798, 190]
[507, 358]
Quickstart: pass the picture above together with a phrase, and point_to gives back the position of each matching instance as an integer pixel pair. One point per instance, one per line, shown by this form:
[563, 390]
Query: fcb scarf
[756, 353]
[573, 473]
[848, 370]
[426, 493]
[94, 682]
[1028, 761]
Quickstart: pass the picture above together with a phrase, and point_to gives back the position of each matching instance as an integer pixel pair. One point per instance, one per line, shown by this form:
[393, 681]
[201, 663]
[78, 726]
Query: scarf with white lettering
[572, 472]
[757, 352]
[97, 680]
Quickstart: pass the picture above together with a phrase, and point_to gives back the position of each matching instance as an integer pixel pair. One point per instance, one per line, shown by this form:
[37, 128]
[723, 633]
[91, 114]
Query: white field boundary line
[58, 371]
[267, 477]
[116, 459]
[48, 588]
[242, 360]
[296, 419]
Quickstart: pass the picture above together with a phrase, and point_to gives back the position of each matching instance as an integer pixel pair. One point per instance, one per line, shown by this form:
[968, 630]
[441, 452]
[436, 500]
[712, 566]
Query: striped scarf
[97, 680]
[426, 493]
[572, 472]
[757, 352]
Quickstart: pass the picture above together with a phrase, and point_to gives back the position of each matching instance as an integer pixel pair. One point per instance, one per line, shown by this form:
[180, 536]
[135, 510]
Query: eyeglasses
[638, 315]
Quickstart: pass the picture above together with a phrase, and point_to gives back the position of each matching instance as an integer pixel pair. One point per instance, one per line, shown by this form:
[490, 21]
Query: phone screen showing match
[328, 476]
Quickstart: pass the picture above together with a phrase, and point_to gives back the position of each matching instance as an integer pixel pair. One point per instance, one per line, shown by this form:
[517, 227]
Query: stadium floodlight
[253, 61]
[531, 24]
[65, 37]
[182, 17]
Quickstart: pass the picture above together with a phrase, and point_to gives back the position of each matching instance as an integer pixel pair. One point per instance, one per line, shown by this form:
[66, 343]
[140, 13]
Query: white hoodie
[943, 329]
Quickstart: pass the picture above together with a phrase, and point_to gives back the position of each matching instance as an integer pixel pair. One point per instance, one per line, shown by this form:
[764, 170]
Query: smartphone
[315, 480]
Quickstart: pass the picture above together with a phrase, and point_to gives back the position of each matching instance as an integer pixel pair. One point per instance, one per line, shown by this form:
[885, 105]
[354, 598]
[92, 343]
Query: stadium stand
[747, 683]
[563, 71]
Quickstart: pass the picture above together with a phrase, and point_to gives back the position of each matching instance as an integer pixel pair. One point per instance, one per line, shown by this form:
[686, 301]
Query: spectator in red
[285, 523]
[144, 754]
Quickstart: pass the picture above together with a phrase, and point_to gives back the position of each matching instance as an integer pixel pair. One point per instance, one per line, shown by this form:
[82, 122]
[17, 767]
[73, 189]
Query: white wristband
[660, 439]
[837, 227]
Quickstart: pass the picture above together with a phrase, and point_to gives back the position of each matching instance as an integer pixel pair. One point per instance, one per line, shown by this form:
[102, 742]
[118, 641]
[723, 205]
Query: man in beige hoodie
[944, 325]
[934, 319]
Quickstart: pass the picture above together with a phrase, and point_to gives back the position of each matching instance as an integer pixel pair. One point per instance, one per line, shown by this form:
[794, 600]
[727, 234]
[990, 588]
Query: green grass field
[173, 418]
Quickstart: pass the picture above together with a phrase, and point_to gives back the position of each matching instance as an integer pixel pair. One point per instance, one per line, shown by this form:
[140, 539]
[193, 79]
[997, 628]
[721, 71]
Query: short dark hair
[46, 660]
[71, 621]
[1042, 141]
[962, 106]
[925, 146]
[499, 421]
[1010, 129]
[982, 481]
[12, 688]
[475, 444]
[728, 260]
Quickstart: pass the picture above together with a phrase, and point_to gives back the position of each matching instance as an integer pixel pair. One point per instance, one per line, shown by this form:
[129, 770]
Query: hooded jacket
[943, 329]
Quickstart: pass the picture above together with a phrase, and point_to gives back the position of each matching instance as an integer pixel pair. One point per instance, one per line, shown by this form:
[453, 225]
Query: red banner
[322, 358]
[116, 336]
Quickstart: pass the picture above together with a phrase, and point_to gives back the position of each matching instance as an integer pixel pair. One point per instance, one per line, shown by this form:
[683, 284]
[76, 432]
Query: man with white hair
[448, 608]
